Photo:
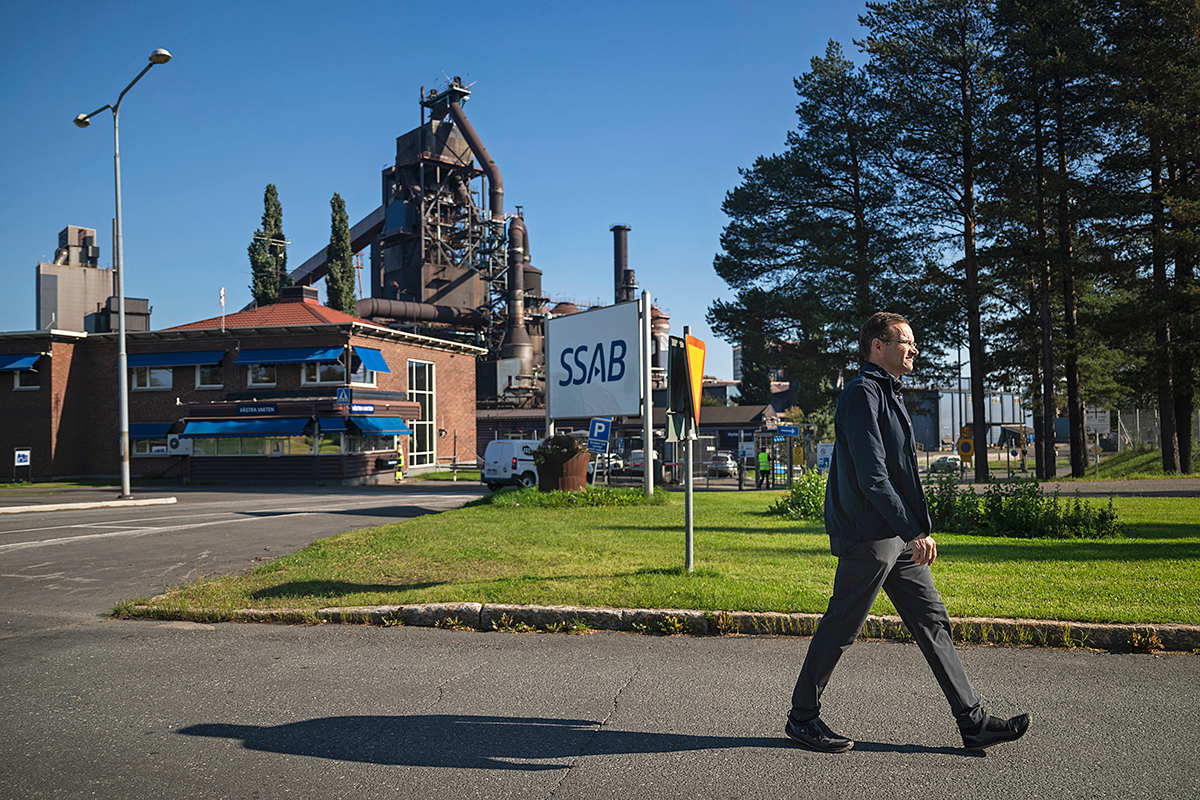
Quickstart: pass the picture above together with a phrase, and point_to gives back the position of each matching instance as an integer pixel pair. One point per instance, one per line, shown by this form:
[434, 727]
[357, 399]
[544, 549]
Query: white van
[509, 462]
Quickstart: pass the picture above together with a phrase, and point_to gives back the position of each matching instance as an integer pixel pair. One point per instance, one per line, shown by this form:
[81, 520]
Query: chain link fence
[1141, 426]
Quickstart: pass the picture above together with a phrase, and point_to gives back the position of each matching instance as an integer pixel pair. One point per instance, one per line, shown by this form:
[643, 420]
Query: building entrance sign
[592, 363]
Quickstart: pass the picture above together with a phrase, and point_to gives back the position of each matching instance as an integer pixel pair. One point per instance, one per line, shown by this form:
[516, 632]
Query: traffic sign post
[22, 457]
[685, 384]
[598, 433]
[1096, 422]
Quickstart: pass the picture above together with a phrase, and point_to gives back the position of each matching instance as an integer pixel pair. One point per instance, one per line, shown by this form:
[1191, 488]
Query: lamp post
[159, 56]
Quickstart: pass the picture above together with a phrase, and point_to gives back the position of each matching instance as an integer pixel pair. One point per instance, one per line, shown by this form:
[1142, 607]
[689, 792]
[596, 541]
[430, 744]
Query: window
[148, 378]
[260, 375]
[324, 372]
[329, 443]
[210, 377]
[150, 447]
[421, 391]
[361, 374]
[370, 444]
[254, 446]
[24, 379]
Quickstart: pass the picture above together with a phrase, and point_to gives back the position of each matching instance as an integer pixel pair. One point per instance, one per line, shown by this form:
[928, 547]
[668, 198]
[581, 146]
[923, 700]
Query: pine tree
[268, 252]
[1045, 143]
[933, 62]
[1152, 169]
[814, 245]
[339, 281]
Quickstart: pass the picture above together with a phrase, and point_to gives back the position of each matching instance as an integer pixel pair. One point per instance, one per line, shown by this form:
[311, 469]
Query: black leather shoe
[815, 735]
[994, 731]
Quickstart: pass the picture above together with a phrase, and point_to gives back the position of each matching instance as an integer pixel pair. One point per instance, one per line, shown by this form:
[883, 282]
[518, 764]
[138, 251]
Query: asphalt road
[92, 707]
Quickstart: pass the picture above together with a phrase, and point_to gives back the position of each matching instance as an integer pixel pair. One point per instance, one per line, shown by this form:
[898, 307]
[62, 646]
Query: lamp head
[160, 56]
[82, 120]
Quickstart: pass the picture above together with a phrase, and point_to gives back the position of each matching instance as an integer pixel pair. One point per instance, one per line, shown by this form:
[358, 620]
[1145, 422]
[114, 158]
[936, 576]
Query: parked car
[509, 462]
[946, 464]
[722, 464]
[612, 461]
[637, 461]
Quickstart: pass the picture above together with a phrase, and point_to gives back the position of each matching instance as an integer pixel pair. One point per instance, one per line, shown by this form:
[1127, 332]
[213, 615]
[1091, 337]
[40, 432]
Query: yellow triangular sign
[695, 361]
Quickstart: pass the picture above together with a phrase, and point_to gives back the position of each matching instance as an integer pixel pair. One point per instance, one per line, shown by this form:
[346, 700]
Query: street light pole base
[124, 497]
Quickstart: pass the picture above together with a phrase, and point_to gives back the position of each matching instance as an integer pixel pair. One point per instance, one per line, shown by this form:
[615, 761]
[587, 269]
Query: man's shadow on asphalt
[480, 742]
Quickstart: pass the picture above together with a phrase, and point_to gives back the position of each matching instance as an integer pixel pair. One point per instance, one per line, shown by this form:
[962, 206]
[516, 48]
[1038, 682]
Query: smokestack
[622, 277]
[516, 341]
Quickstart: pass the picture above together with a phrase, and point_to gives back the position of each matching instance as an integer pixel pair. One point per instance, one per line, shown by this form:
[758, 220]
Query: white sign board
[1097, 420]
[824, 454]
[593, 364]
[22, 457]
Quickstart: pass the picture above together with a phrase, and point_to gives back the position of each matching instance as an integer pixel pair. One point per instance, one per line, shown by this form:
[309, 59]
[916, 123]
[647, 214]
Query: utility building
[74, 294]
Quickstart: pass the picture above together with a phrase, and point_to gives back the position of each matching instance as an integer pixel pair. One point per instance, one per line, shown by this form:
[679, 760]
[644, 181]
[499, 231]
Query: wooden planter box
[569, 475]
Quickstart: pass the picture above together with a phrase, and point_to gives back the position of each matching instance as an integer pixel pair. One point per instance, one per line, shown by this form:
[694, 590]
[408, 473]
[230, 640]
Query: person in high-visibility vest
[399, 463]
[764, 467]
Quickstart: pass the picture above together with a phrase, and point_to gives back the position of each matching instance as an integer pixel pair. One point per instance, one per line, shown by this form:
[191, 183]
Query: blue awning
[289, 355]
[261, 426]
[371, 359]
[383, 426]
[203, 358]
[18, 363]
[332, 424]
[149, 430]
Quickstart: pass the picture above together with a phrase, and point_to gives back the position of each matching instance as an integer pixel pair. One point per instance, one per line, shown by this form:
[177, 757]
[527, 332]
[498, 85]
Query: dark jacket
[874, 490]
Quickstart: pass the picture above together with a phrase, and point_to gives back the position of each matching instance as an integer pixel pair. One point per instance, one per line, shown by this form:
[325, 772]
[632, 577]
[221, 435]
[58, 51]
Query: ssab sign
[592, 363]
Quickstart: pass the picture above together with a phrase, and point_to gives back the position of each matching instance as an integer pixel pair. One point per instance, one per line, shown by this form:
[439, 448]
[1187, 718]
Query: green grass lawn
[745, 560]
[471, 475]
[1133, 462]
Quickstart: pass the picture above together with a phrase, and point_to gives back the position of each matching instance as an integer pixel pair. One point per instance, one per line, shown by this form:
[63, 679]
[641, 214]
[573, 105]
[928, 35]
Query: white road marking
[134, 532]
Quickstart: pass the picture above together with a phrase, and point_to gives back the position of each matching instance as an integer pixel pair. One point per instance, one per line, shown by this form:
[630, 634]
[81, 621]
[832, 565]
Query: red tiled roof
[288, 312]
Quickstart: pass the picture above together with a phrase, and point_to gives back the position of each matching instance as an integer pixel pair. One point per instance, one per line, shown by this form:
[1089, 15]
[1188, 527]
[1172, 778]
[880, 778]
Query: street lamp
[159, 56]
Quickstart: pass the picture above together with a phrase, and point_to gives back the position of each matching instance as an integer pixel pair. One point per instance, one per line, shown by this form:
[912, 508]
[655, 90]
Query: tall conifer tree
[268, 252]
[1154, 49]
[814, 245]
[933, 61]
[339, 281]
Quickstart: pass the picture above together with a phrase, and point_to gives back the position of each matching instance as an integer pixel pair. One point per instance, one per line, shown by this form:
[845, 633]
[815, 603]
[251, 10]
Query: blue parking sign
[598, 434]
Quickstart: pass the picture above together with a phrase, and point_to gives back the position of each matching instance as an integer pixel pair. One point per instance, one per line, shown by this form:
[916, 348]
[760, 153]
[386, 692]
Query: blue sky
[639, 113]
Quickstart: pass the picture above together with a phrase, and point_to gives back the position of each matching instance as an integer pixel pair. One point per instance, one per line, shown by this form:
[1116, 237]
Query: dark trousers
[863, 569]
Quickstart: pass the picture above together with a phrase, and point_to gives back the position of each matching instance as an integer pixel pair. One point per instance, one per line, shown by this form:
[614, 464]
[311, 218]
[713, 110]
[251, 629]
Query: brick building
[293, 392]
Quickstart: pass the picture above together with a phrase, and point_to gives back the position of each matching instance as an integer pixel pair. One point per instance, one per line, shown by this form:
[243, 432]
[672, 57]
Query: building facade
[294, 392]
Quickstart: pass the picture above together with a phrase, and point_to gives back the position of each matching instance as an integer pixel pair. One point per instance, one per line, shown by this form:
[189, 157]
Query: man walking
[878, 523]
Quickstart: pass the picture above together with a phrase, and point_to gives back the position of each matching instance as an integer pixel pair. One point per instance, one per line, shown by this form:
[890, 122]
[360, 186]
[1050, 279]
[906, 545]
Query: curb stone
[150, 501]
[495, 616]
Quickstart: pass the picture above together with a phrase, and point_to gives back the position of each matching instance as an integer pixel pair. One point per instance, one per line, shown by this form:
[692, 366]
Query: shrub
[804, 500]
[1018, 509]
[557, 450]
[590, 497]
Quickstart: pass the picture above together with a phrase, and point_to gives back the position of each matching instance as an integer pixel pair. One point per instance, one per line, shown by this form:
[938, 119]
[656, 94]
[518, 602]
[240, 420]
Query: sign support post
[689, 479]
[647, 401]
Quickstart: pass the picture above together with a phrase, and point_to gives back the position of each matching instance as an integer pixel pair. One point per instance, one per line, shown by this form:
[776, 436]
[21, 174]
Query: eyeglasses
[902, 342]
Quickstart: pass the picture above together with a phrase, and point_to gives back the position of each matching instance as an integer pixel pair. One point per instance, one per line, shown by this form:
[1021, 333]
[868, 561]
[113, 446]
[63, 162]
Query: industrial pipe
[407, 311]
[622, 292]
[495, 181]
[516, 340]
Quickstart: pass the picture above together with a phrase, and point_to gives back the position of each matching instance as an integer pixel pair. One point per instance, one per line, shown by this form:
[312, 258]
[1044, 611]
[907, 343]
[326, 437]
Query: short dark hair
[878, 326]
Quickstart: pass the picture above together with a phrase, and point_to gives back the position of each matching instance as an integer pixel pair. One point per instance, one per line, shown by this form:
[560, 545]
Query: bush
[1018, 509]
[804, 500]
[557, 449]
[588, 498]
